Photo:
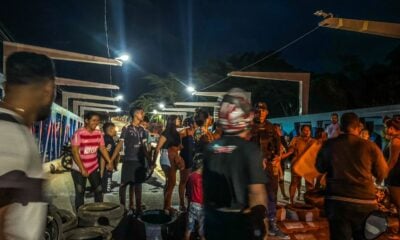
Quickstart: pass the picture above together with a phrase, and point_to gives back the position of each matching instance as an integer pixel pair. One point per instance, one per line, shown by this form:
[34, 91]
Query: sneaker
[276, 232]
[130, 212]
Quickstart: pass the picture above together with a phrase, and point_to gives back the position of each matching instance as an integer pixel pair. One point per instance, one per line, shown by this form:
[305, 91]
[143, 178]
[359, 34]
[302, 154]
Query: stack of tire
[96, 221]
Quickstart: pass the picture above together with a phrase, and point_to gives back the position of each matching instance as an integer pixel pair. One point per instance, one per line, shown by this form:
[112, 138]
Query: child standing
[106, 173]
[195, 197]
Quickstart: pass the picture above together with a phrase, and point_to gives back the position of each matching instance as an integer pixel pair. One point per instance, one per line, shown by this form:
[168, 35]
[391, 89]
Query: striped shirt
[88, 143]
[21, 181]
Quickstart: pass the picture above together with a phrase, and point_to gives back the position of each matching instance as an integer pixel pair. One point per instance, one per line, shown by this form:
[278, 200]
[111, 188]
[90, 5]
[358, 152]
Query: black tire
[89, 233]
[100, 214]
[68, 219]
[54, 228]
[66, 161]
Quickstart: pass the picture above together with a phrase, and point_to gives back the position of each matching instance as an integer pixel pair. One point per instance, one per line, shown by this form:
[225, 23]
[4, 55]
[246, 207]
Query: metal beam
[67, 95]
[302, 78]
[80, 83]
[180, 109]
[384, 29]
[197, 104]
[83, 109]
[77, 104]
[10, 47]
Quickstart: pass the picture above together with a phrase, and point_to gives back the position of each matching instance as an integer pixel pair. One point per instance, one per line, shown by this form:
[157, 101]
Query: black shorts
[133, 172]
[393, 179]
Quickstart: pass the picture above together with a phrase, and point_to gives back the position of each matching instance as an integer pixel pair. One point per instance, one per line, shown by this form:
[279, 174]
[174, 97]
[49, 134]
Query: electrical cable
[268, 56]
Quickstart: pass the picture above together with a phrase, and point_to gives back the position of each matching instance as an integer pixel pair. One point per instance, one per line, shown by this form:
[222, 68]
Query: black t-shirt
[231, 164]
[110, 144]
[264, 135]
[134, 138]
[173, 139]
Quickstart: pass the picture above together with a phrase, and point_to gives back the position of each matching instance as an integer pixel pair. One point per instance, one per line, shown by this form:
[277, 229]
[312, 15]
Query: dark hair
[29, 68]
[188, 122]
[349, 120]
[318, 132]
[90, 114]
[146, 119]
[171, 124]
[197, 161]
[200, 117]
[335, 114]
[134, 110]
[393, 122]
[107, 125]
[303, 126]
[261, 105]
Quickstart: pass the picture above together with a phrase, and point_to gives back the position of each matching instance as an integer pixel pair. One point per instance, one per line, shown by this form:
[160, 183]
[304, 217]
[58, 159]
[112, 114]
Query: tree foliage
[353, 86]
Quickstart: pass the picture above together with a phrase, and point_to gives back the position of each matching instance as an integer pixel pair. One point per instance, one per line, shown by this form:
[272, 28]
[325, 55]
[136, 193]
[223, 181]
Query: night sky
[179, 35]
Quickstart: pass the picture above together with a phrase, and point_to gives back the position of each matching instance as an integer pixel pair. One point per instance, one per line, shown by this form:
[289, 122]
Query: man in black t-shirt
[233, 179]
[133, 172]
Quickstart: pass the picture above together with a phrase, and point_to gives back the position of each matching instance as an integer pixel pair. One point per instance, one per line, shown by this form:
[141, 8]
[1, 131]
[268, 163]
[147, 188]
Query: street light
[155, 111]
[161, 105]
[123, 58]
[119, 97]
[191, 89]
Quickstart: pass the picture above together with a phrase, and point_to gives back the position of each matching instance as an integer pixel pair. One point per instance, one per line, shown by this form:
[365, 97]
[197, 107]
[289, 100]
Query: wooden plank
[197, 104]
[67, 95]
[384, 29]
[10, 47]
[302, 78]
[79, 83]
[77, 104]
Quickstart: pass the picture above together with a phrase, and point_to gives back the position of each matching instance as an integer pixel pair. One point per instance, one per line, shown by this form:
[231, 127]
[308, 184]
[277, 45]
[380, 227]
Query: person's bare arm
[257, 195]
[394, 153]
[106, 156]
[161, 141]
[78, 161]
[117, 150]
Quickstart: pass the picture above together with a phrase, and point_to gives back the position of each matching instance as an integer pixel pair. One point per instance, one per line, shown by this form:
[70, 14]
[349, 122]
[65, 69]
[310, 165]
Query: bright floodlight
[118, 110]
[191, 89]
[119, 97]
[155, 111]
[161, 105]
[124, 57]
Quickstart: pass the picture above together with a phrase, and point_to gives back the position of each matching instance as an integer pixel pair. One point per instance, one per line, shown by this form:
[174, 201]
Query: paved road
[60, 190]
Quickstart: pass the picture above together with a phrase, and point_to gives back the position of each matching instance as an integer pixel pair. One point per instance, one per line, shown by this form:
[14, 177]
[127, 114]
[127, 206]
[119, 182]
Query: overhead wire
[263, 58]
[107, 42]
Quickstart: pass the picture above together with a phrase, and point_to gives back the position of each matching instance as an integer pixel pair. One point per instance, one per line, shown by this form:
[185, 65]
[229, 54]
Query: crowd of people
[230, 170]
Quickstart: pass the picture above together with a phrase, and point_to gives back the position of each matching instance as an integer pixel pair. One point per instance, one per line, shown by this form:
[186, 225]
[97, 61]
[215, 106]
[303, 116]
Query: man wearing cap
[265, 136]
[233, 179]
